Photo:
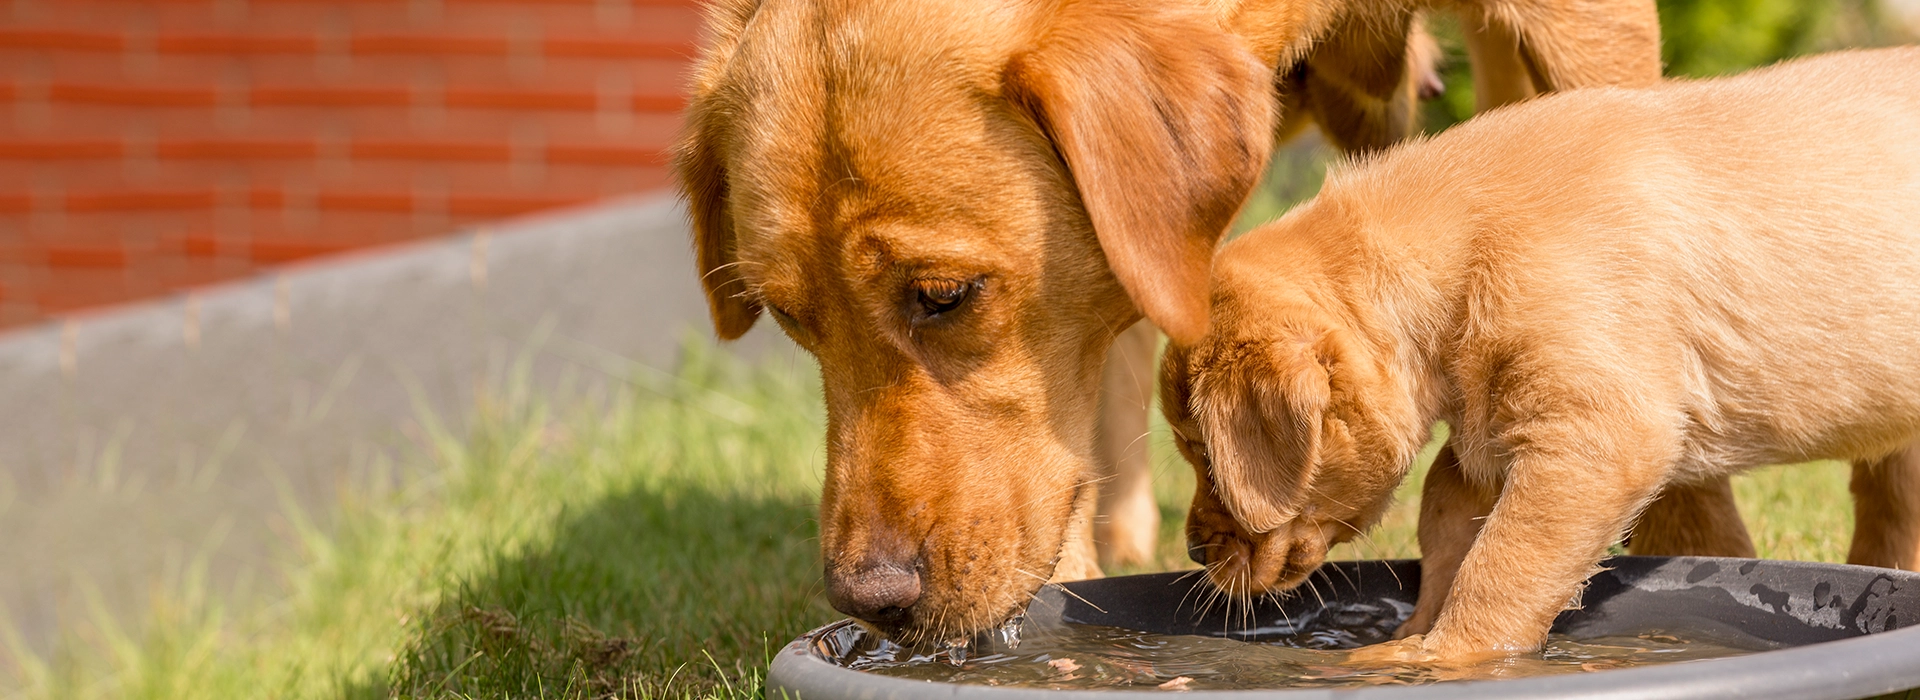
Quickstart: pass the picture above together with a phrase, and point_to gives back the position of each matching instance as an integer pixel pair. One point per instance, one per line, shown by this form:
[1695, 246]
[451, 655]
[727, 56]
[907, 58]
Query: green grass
[659, 547]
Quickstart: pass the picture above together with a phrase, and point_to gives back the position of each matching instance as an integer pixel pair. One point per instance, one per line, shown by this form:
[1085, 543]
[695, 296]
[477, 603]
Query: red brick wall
[153, 145]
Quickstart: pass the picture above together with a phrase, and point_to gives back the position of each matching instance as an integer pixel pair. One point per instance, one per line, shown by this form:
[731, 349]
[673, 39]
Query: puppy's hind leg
[1886, 511]
[1128, 525]
[1451, 510]
[1698, 520]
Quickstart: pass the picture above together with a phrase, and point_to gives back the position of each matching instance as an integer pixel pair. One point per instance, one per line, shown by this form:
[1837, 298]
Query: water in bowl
[1083, 656]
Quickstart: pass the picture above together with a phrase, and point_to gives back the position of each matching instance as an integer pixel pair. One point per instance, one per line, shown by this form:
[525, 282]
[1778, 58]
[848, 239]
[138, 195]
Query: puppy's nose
[880, 593]
[1197, 551]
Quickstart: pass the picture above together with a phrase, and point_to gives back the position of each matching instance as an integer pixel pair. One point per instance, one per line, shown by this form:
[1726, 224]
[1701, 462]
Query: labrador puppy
[957, 205]
[1605, 292]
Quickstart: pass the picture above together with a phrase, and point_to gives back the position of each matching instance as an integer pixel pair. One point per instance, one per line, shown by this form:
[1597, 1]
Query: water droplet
[956, 651]
[1010, 633]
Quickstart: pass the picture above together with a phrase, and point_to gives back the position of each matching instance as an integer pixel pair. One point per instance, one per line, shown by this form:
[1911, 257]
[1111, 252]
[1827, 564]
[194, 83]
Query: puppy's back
[1749, 246]
[1822, 151]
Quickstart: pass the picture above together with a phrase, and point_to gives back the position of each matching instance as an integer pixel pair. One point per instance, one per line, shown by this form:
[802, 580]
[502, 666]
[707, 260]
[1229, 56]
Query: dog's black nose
[881, 594]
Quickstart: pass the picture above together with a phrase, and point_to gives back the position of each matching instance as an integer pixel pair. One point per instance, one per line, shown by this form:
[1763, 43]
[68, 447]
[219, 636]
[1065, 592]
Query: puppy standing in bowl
[1605, 292]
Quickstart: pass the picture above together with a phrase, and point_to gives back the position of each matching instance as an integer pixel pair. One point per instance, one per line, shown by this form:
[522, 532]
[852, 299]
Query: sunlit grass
[658, 547]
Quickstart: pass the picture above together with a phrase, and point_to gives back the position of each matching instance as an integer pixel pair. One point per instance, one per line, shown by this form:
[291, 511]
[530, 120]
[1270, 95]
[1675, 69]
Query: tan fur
[1605, 292]
[1068, 166]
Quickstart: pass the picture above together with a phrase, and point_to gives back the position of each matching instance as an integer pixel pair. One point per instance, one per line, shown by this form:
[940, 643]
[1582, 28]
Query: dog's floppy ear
[1263, 413]
[698, 161]
[1165, 121]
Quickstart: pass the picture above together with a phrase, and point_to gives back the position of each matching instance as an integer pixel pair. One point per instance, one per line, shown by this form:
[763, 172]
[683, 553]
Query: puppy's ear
[1165, 121]
[1176, 384]
[698, 161]
[1262, 413]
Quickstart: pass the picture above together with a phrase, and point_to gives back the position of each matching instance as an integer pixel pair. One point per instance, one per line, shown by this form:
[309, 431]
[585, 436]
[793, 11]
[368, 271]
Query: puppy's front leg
[1568, 495]
[1451, 510]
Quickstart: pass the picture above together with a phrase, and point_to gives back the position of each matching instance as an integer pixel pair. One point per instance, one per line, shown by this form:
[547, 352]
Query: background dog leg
[1128, 524]
[1077, 560]
[1585, 44]
[1356, 83]
[1886, 511]
[1451, 510]
[1500, 72]
[1692, 520]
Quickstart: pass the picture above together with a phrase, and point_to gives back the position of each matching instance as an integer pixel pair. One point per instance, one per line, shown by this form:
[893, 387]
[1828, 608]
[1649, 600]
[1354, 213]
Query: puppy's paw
[1409, 650]
[1419, 624]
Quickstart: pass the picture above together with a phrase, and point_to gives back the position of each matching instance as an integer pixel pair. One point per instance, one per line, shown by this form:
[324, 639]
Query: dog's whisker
[1315, 590]
[736, 263]
[1063, 589]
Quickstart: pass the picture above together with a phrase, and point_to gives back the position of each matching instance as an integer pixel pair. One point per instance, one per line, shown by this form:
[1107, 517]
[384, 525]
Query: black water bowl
[1834, 632]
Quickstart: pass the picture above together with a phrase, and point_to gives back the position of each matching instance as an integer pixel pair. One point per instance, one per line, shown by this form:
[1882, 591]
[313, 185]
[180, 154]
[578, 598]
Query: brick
[58, 150]
[617, 47]
[58, 39]
[235, 43]
[357, 96]
[134, 95]
[188, 273]
[101, 255]
[197, 16]
[427, 150]
[279, 249]
[606, 154]
[78, 289]
[202, 244]
[521, 99]
[378, 201]
[140, 200]
[433, 44]
[93, 68]
[236, 149]
[144, 229]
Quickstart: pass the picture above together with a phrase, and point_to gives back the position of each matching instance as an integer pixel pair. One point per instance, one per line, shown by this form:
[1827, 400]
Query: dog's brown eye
[939, 296]
[787, 323]
[1197, 448]
[781, 317]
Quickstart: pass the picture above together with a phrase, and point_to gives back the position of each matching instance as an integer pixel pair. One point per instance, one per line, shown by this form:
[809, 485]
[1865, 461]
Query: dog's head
[1294, 426]
[955, 206]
